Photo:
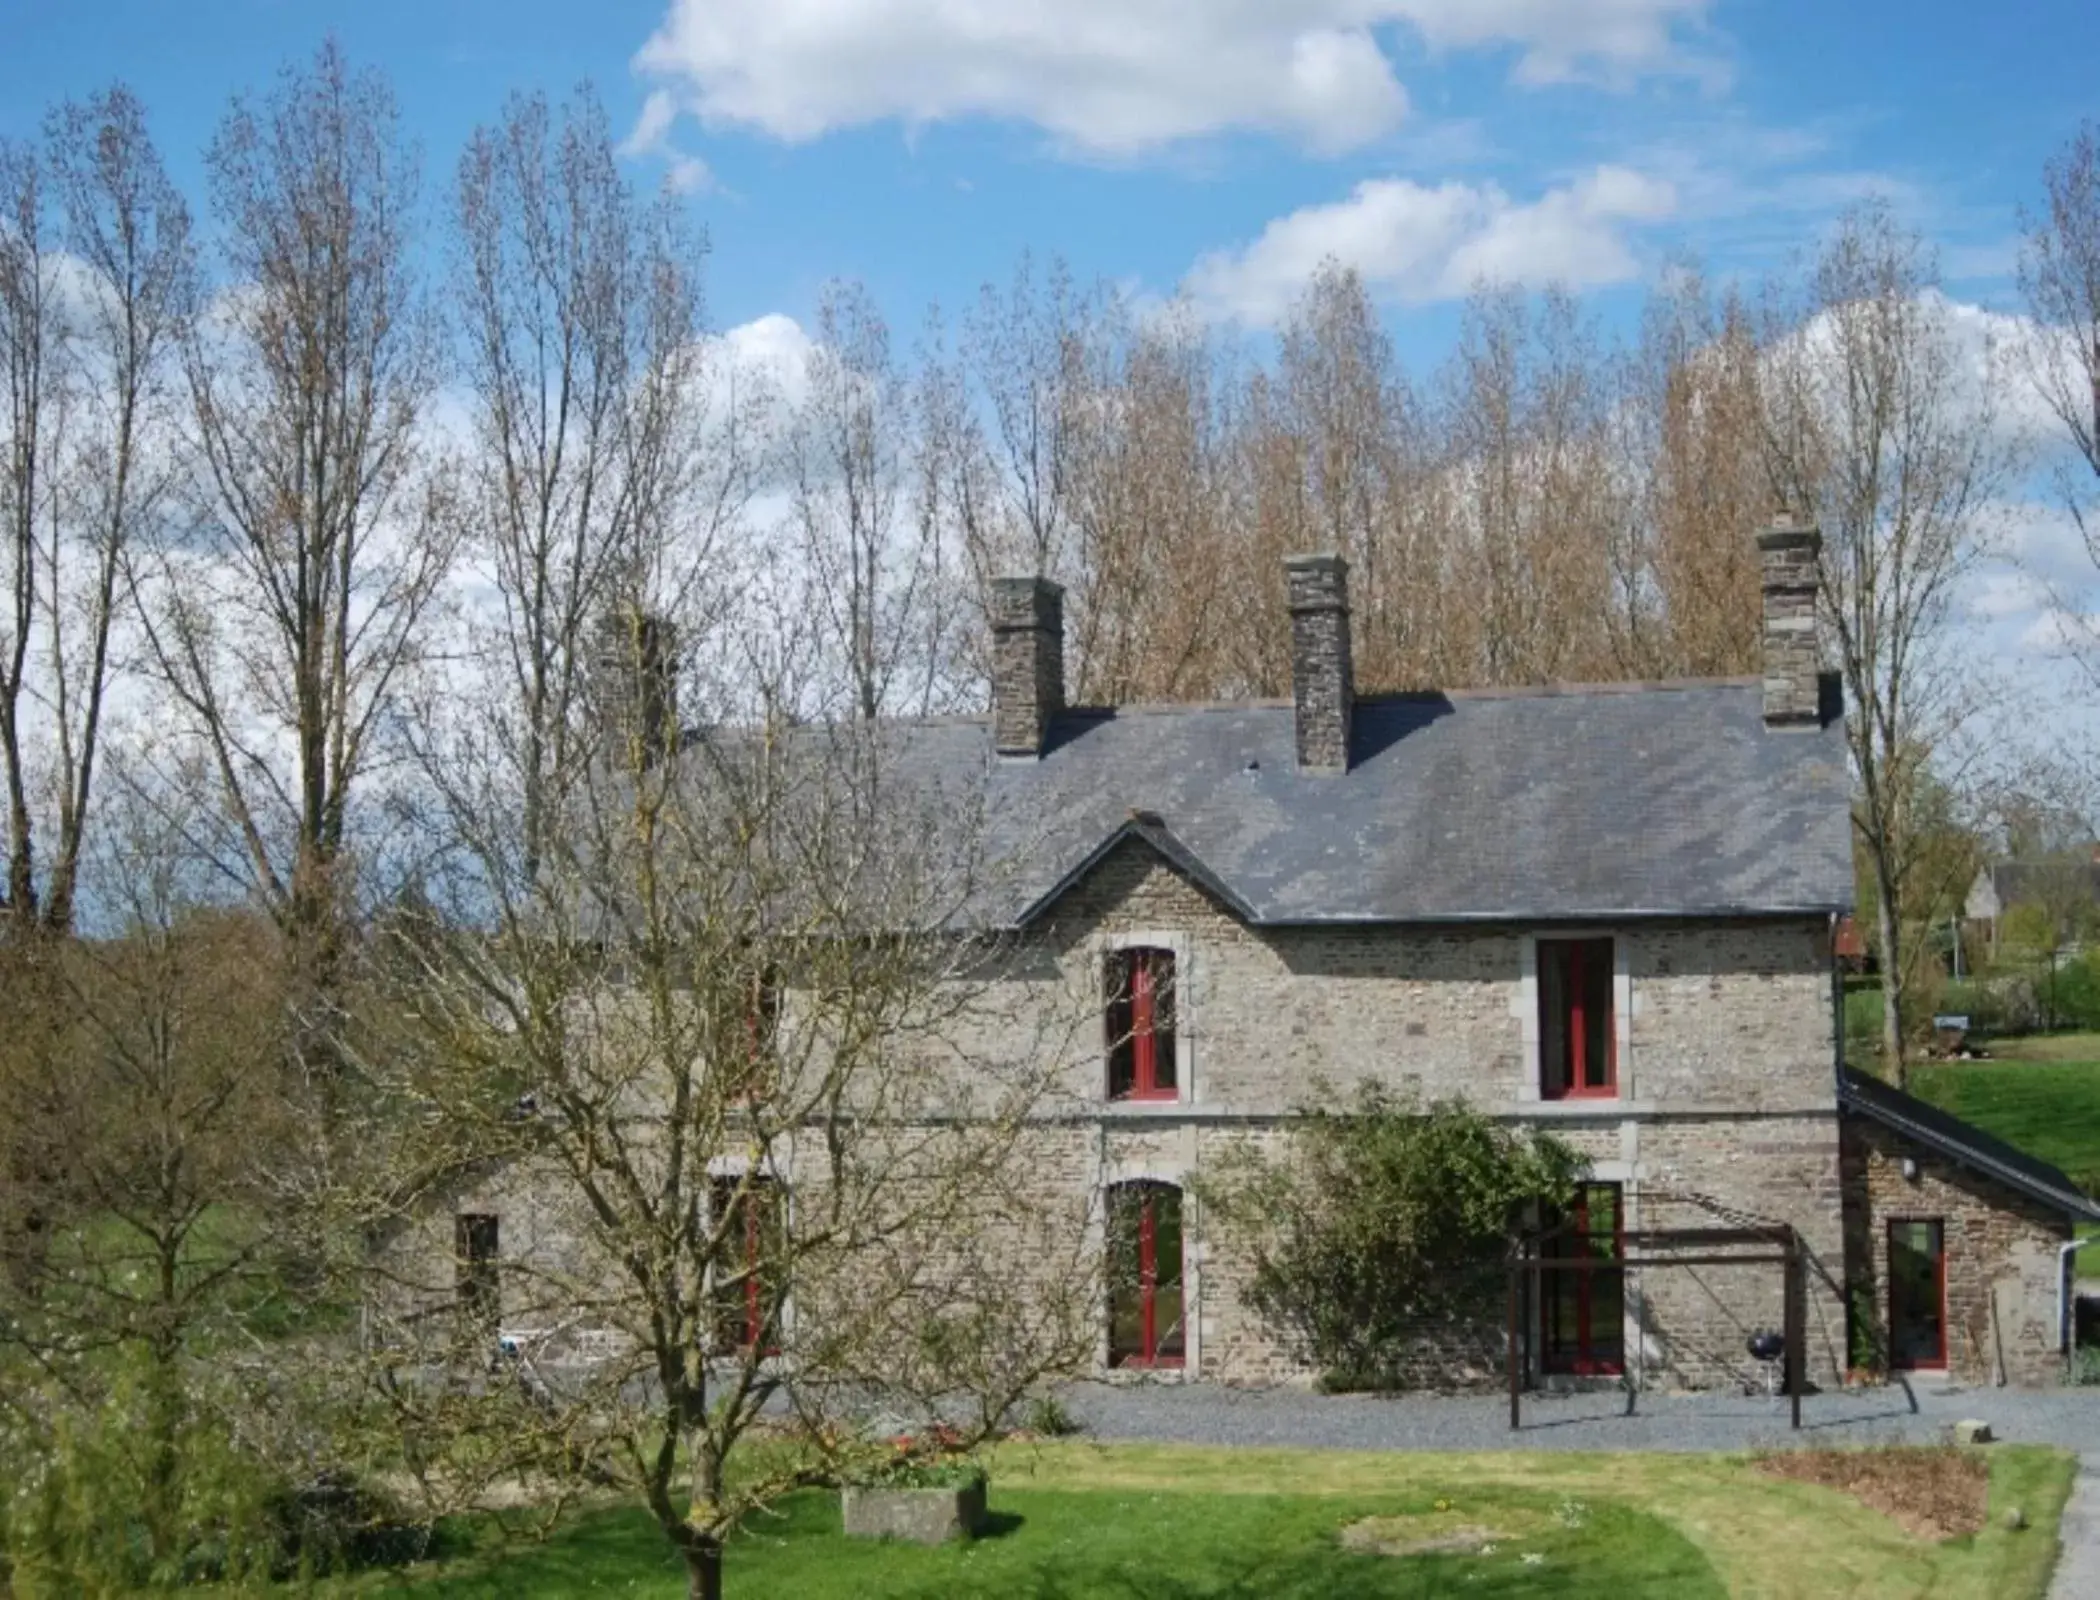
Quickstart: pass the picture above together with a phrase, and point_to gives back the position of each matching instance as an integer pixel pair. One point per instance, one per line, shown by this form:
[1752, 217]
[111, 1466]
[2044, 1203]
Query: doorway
[1918, 1294]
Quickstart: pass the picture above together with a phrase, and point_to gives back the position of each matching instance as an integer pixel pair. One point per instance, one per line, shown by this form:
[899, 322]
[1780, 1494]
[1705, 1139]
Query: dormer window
[1140, 1013]
[1578, 1035]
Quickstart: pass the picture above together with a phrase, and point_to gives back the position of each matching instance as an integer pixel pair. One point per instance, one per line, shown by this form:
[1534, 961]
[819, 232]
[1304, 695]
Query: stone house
[1605, 910]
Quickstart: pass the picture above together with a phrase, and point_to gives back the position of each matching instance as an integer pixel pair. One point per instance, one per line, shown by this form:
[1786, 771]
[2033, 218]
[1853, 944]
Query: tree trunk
[703, 1569]
[1891, 985]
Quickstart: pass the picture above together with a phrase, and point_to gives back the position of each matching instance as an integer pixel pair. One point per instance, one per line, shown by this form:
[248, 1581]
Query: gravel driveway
[1210, 1414]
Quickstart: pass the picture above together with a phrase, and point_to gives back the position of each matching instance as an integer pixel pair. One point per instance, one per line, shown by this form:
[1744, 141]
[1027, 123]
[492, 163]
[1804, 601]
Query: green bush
[93, 1509]
[1384, 1223]
[2085, 1365]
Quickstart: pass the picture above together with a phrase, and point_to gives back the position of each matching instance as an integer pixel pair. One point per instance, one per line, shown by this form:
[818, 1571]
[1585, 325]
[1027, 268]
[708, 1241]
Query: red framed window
[759, 1030]
[1141, 1025]
[477, 1270]
[1145, 1303]
[747, 1286]
[1578, 1035]
[1582, 1315]
[1917, 1293]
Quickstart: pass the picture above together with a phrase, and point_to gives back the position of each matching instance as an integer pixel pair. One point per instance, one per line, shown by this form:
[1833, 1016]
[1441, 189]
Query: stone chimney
[1028, 662]
[1323, 683]
[633, 684]
[1789, 553]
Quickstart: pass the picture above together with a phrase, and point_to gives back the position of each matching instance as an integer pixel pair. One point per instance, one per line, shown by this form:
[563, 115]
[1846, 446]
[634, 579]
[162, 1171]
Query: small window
[1577, 1032]
[1141, 1025]
[1145, 1302]
[477, 1273]
[747, 1263]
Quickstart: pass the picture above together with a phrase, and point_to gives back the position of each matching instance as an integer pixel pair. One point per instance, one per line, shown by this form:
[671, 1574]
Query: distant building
[2002, 886]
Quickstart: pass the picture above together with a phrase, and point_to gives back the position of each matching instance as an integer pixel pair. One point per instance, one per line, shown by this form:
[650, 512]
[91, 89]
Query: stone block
[918, 1516]
[1971, 1431]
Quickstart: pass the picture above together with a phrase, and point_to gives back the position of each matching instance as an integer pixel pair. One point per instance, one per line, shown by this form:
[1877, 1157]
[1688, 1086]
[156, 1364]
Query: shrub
[1382, 1224]
[1048, 1418]
[2085, 1365]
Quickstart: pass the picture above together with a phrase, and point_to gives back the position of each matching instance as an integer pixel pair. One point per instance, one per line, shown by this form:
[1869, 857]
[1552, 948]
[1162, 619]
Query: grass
[1081, 1520]
[2040, 1094]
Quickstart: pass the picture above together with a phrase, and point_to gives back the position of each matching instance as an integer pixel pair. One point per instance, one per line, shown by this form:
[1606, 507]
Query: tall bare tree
[32, 332]
[96, 290]
[1876, 427]
[283, 624]
[1685, 578]
[2060, 281]
[581, 314]
[871, 539]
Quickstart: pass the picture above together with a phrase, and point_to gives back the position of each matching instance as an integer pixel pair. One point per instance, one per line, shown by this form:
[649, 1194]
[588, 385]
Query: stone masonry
[1028, 662]
[1792, 658]
[1322, 676]
[2001, 1252]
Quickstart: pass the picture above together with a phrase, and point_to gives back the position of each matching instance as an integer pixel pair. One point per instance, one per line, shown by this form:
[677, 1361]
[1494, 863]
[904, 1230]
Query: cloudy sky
[1224, 146]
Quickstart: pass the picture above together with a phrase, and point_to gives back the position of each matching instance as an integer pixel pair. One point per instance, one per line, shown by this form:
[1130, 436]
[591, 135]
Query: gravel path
[2078, 1568]
[1209, 1414]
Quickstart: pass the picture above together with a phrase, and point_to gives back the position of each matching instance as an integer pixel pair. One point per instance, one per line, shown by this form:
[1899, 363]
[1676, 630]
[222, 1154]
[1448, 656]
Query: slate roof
[1963, 1142]
[1614, 802]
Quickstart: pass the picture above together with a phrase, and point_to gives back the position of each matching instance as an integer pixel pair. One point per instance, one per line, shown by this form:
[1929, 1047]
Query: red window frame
[761, 1031]
[1156, 1348]
[1141, 1025]
[1577, 1241]
[1584, 975]
[741, 1313]
[1938, 1225]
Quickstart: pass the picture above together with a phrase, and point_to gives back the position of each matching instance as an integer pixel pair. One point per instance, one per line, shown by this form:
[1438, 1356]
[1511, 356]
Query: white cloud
[1415, 243]
[684, 172]
[1113, 77]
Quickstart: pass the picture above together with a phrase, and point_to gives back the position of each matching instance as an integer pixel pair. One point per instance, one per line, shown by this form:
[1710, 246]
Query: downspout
[2063, 1290]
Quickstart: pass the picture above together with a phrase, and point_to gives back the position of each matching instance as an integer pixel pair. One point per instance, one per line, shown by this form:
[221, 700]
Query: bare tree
[2060, 281]
[1023, 355]
[866, 514]
[716, 1128]
[1685, 579]
[1150, 595]
[1533, 504]
[587, 366]
[1875, 425]
[283, 626]
[31, 334]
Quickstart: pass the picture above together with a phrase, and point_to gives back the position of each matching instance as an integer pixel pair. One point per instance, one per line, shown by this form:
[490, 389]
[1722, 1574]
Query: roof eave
[2069, 1201]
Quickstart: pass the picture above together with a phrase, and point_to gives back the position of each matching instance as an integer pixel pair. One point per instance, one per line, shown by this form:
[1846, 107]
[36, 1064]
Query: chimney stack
[1028, 662]
[1789, 553]
[1323, 682]
[634, 682]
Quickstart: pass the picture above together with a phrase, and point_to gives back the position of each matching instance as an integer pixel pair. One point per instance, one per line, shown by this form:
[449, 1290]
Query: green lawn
[2041, 1094]
[1077, 1521]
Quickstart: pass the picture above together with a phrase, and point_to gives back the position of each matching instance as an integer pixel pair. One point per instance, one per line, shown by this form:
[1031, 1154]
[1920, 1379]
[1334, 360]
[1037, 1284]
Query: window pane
[1553, 1018]
[1144, 1274]
[1596, 1014]
[1166, 1266]
[1917, 1312]
[1122, 1055]
[1162, 965]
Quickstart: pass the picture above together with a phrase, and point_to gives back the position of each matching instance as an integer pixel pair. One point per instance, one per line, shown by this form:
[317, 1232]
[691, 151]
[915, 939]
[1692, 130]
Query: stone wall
[1726, 1110]
[2001, 1251]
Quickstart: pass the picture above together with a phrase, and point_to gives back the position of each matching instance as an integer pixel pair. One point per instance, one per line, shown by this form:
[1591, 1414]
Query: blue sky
[920, 145]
